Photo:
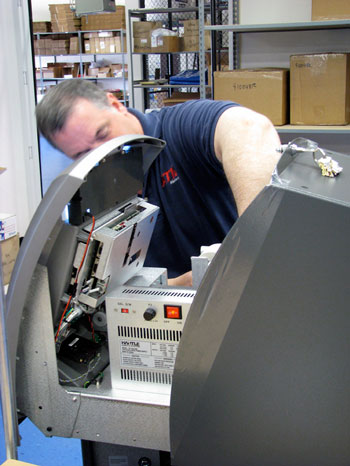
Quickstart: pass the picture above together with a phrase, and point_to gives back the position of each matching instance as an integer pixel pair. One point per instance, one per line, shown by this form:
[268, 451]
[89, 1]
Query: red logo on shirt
[170, 176]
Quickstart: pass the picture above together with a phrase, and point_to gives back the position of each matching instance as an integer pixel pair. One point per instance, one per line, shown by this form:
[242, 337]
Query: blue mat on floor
[40, 450]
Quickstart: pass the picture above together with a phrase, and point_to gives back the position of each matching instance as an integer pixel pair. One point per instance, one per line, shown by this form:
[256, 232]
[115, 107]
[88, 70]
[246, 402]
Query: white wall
[274, 49]
[274, 11]
[20, 190]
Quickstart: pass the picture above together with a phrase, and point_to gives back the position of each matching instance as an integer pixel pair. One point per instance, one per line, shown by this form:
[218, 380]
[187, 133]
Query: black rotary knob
[149, 313]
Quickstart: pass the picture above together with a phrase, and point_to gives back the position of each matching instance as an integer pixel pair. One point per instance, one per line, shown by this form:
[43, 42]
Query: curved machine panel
[88, 237]
[262, 376]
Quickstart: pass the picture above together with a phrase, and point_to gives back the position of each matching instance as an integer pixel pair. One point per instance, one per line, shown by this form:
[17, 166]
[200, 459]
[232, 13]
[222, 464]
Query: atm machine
[262, 376]
[93, 334]
[252, 368]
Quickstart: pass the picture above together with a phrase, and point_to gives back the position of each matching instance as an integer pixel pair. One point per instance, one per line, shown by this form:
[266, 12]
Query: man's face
[88, 126]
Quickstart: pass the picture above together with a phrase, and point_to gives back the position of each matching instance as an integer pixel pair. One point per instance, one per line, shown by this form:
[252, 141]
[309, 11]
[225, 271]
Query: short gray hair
[56, 106]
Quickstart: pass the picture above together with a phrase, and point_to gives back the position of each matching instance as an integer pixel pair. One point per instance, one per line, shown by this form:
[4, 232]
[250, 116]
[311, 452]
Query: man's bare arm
[246, 142]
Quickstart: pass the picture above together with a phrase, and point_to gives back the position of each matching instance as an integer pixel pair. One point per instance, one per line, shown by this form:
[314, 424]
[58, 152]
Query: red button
[125, 310]
[172, 312]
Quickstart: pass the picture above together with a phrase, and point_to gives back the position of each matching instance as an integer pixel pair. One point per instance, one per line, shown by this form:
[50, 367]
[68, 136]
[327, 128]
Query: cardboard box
[8, 226]
[105, 21]
[191, 36]
[74, 45]
[9, 251]
[41, 26]
[117, 46]
[264, 90]
[180, 97]
[144, 28]
[323, 10]
[165, 44]
[191, 42]
[191, 27]
[319, 89]
[109, 44]
[91, 35]
[104, 72]
[142, 44]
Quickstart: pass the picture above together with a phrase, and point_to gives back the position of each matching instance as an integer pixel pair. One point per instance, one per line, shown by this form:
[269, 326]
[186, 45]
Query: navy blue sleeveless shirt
[187, 182]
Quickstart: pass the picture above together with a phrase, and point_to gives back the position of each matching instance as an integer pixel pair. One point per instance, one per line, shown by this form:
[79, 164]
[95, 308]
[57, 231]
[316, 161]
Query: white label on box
[153, 355]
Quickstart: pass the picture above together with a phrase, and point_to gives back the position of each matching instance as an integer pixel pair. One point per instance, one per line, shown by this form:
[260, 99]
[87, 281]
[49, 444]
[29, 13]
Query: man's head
[76, 116]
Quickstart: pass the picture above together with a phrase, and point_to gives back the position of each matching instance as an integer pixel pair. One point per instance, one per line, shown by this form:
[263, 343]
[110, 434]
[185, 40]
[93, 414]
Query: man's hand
[246, 142]
[181, 280]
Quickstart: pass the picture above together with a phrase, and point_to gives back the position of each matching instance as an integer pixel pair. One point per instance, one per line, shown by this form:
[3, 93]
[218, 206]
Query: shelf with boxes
[89, 47]
[96, 55]
[317, 101]
[167, 41]
[309, 94]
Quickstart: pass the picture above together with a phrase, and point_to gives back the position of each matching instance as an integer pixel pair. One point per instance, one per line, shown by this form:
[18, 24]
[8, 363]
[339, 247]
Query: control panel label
[153, 355]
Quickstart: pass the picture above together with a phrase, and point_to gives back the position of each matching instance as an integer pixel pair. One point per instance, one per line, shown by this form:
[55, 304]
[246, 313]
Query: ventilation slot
[155, 292]
[149, 333]
[146, 376]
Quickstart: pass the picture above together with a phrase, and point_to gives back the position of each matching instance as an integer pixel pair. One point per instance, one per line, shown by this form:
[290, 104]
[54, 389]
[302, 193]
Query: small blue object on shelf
[188, 77]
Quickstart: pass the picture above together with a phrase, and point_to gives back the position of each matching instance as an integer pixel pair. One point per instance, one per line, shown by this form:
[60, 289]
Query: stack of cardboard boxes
[49, 46]
[105, 21]
[63, 19]
[191, 36]
[104, 42]
[9, 243]
[108, 71]
[142, 35]
[151, 37]
[318, 94]
[319, 90]
[41, 26]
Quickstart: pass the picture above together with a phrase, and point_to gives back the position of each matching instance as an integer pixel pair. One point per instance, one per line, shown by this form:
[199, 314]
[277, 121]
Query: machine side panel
[96, 413]
[276, 390]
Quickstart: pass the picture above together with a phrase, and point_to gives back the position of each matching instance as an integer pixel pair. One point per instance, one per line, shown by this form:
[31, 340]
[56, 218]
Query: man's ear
[115, 103]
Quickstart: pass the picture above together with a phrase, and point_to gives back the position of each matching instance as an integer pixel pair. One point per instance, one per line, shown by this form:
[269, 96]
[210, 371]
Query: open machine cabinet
[78, 284]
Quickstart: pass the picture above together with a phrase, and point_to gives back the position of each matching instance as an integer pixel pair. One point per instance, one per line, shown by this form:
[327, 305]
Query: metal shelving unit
[277, 27]
[169, 63]
[83, 58]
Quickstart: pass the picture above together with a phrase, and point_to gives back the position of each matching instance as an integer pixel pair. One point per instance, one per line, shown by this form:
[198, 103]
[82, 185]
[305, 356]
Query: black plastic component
[149, 313]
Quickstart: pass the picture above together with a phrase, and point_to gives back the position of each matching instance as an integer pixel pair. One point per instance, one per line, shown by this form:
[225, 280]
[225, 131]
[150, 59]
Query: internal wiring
[92, 328]
[91, 367]
[76, 277]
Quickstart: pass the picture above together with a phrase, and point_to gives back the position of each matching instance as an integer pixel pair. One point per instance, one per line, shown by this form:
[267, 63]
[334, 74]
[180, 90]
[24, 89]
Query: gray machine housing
[99, 184]
[262, 375]
[262, 370]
